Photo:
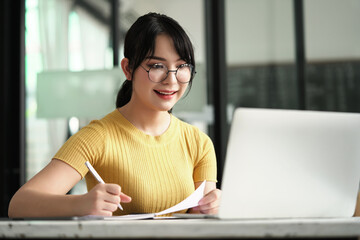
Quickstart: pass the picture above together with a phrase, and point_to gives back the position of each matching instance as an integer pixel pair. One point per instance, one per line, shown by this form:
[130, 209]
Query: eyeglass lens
[159, 72]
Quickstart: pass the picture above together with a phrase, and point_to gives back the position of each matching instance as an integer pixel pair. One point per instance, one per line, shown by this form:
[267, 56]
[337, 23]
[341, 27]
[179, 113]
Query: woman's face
[164, 95]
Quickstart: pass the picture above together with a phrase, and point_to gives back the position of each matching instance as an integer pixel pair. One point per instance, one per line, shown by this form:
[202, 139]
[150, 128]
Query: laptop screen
[291, 164]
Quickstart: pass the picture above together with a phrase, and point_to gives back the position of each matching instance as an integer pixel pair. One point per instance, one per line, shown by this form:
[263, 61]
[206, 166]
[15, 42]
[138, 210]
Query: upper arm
[205, 160]
[57, 178]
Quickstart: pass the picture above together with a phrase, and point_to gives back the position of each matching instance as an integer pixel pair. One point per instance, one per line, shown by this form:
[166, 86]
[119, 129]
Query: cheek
[183, 89]
[141, 82]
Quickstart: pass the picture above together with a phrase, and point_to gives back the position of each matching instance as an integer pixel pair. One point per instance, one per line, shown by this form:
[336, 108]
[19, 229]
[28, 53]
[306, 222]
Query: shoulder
[192, 132]
[100, 127]
[105, 122]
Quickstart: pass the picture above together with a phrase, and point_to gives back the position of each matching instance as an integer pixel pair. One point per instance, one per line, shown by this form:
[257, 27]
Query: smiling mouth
[165, 93]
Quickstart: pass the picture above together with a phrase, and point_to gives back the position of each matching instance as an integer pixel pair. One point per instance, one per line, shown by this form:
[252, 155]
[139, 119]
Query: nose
[171, 77]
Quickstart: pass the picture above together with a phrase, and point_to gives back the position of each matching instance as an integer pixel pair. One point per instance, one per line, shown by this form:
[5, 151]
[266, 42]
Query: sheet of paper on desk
[189, 202]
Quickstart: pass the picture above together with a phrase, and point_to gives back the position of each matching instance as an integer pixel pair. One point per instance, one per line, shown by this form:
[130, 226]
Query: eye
[157, 66]
[184, 65]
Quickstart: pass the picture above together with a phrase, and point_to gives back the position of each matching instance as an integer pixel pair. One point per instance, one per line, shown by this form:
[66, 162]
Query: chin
[165, 108]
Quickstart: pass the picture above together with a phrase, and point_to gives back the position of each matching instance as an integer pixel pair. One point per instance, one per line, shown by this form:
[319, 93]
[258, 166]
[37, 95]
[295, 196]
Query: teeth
[166, 93]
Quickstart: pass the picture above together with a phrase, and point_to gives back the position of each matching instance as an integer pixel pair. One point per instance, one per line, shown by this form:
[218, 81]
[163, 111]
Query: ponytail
[124, 94]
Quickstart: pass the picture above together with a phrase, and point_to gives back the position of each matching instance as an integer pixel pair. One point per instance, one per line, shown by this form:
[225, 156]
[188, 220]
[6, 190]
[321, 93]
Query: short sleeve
[86, 145]
[205, 166]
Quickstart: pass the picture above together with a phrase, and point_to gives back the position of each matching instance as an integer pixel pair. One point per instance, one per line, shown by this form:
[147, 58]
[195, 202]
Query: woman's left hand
[210, 203]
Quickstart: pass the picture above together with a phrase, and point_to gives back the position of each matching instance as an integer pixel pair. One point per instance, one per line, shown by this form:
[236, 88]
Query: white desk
[183, 228]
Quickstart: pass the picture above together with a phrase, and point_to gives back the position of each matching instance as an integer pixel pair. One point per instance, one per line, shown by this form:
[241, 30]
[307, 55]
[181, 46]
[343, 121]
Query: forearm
[357, 210]
[31, 203]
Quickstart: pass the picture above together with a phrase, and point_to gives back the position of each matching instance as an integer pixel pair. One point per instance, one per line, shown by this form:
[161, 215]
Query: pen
[97, 176]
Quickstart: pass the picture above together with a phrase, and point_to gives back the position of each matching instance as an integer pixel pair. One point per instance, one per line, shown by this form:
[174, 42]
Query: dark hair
[140, 43]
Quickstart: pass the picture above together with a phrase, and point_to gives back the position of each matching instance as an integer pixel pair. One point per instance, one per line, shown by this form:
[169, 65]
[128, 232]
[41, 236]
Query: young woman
[149, 159]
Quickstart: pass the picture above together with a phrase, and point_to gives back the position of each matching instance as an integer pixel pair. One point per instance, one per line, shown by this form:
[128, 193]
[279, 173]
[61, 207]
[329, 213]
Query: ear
[126, 68]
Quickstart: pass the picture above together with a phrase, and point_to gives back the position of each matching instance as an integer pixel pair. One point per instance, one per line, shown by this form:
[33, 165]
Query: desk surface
[183, 228]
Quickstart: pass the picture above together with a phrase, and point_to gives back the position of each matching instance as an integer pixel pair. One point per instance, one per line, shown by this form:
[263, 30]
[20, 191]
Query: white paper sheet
[189, 202]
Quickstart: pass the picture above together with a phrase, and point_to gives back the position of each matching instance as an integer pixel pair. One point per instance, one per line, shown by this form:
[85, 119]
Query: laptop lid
[291, 164]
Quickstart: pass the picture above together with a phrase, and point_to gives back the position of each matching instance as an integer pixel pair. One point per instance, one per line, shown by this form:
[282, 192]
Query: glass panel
[260, 54]
[333, 55]
[36, 137]
[58, 43]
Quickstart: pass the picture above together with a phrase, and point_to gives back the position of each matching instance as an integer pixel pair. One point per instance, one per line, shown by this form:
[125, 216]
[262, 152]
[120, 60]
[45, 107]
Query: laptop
[291, 164]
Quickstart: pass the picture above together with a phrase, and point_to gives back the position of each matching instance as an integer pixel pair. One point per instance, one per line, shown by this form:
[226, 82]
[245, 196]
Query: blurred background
[60, 67]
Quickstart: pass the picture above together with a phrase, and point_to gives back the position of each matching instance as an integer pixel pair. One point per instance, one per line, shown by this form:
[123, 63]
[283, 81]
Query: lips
[165, 92]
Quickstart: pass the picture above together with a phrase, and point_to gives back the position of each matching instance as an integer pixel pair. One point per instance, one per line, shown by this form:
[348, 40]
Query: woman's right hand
[103, 200]
[45, 195]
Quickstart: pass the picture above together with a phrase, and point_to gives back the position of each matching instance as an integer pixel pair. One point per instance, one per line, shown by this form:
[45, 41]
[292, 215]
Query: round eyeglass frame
[175, 71]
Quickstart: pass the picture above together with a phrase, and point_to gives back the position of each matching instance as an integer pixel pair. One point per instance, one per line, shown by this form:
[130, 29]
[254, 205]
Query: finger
[112, 199]
[109, 207]
[102, 213]
[102, 209]
[113, 188]
[125, 198]
[209, 206]
[115, 195]
[211, 196]
[104, 195]
[116, 190]
[106, 213]
[195, 209]
[210, 211]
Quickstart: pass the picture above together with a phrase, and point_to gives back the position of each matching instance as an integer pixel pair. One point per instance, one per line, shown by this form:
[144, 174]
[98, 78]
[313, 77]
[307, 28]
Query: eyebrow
[159, 58]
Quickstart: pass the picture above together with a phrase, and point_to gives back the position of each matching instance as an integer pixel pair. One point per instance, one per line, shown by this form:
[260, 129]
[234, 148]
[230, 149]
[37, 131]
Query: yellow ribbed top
[157, 172]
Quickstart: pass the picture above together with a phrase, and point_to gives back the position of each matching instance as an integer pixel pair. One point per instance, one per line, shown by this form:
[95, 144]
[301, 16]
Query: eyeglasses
[159, 72]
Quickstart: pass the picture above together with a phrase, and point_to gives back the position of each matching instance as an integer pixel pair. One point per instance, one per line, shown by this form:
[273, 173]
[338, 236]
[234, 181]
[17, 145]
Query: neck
[151, 122]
